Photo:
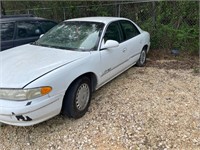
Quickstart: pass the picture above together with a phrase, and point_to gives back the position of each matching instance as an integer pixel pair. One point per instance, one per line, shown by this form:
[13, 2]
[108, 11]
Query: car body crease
[49, 72]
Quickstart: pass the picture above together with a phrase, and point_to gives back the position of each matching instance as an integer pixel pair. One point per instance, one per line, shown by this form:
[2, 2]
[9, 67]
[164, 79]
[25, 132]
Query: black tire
[142, 60]
[74, 106]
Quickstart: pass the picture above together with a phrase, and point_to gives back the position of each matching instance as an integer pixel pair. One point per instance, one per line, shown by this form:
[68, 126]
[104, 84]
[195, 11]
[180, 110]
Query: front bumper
[30, 112]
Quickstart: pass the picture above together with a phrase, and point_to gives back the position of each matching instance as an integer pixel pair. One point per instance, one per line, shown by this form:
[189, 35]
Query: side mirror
[110, 44]
[41, 35]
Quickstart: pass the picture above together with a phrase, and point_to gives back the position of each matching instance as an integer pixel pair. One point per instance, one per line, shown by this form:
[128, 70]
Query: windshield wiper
[39, 44]
[34, 43]
[60, 47]
[87, 50]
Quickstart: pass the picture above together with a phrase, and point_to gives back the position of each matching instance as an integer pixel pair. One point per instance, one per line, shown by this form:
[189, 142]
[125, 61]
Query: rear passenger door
[26, 32]
[133, 40]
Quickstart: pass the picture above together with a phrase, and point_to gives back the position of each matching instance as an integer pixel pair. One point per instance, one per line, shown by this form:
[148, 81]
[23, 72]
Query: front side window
[7, 31]
[113, 32]
[130, 30]
[73, 35]
[28, 29]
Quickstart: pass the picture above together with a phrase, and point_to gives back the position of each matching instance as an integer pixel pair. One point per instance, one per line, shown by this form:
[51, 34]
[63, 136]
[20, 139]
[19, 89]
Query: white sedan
[58, 73]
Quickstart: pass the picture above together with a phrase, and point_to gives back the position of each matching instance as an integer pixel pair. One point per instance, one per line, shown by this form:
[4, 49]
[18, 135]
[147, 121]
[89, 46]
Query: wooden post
[117, 9]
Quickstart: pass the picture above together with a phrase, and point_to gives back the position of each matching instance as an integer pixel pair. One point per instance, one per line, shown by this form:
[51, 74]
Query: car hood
[21, 65]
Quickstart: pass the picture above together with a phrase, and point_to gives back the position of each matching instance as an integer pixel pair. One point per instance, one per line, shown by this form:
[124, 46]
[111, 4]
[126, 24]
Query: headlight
[24, 94]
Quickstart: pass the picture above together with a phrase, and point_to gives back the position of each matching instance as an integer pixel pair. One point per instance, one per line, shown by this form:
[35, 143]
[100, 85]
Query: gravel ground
[154, 107]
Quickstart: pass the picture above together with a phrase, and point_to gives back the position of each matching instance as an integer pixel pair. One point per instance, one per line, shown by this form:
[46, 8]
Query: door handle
[124, 50]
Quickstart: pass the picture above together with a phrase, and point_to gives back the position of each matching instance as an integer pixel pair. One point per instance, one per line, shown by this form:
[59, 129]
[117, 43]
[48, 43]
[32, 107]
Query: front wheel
[141, 61]
[77, 98]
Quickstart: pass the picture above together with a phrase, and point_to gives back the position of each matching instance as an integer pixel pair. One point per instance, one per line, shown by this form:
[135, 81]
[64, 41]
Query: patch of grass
[196, 69]
[163, 58]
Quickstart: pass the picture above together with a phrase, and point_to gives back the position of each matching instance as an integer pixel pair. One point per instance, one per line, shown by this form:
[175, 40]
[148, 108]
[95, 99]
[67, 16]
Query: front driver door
[113, 60]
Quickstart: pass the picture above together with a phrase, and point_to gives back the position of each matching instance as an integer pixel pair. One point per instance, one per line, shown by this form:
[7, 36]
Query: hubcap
[82, 96]
[143, 57]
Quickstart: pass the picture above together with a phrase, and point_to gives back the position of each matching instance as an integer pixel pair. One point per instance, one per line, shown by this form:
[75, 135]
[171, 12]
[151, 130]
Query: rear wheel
[142, 60]
[77, 98]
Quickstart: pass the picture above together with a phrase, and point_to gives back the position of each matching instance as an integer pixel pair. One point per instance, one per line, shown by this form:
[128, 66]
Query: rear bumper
[26, 113]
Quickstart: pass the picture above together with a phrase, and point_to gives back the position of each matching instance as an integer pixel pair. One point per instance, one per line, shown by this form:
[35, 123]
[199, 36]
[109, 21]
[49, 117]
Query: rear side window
[130, 30]
[46, 25]
[28, 29]
[7, 31]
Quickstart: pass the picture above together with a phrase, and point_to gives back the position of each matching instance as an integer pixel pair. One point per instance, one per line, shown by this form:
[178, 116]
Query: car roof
[10, 19]
[105, 20]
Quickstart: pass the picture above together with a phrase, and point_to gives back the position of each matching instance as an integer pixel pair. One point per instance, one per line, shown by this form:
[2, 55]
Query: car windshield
[73, 35]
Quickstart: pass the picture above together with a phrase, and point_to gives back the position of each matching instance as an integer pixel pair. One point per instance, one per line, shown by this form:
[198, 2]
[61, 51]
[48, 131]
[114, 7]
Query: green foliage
[196, 70]
[172, 24]
[176, 26]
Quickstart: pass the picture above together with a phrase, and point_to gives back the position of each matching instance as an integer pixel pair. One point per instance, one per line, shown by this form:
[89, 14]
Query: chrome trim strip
[110, 69]
[114, 76]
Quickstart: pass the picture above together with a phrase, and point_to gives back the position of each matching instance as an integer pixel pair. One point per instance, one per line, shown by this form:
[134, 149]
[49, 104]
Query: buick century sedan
[58, 73]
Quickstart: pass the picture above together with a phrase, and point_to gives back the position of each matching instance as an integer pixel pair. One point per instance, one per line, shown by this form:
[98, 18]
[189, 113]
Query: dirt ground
[153, 107]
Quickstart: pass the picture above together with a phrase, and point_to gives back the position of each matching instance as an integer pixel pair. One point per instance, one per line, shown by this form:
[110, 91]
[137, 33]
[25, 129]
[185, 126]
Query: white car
[58, 73]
